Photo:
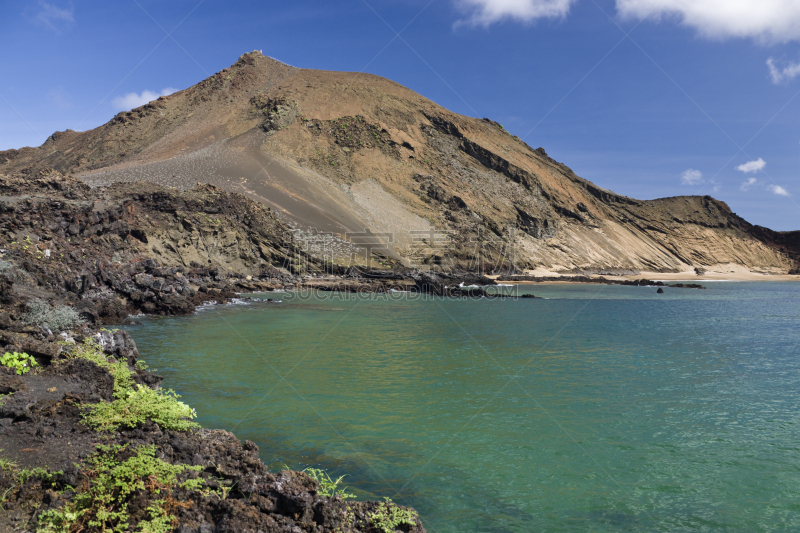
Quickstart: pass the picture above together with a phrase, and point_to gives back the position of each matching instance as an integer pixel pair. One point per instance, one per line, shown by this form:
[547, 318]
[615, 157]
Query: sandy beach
[720, 272]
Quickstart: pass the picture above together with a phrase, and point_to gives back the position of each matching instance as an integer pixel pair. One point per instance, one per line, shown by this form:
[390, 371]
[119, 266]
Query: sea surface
[599, 408]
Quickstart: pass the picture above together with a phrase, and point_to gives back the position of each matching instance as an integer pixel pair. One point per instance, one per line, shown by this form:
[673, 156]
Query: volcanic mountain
[348, 159]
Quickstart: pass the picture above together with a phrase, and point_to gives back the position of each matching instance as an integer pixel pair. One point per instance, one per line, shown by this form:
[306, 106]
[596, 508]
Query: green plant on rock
[4, 497]
[47, 477]
[102, 503]
[119, 370]
[20, 477]
[389, 515]
[160, 521]
[7, 464]
[133, 404]
[223, 490]
[21, 362]
[135, 407]
[326, 486]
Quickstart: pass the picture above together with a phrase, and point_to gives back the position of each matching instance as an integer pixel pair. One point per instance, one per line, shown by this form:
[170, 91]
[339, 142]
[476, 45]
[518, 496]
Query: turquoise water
[603, 408]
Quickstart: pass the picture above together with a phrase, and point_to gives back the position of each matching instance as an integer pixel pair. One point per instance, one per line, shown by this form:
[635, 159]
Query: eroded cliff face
[133, 248]
[336, 153]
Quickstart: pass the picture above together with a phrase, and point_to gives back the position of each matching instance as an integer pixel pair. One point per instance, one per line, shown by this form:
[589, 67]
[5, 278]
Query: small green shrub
[21, 362]
[56, 319]
[48, 478]
[133, 404]
[102, 504]
[133, 409]
[389, 515]
[327, 487]
[160, 521]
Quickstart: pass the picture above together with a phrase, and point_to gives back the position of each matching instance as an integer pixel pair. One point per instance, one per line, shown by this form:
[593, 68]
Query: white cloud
[51, 15]
[133, 100]
[486, 12]
[777, 189]
[778, 74]
[752, 166]
[692, 177]
[749, 183]
[764, 20]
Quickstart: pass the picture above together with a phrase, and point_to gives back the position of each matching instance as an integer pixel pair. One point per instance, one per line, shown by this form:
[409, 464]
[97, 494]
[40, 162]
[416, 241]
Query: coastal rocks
[603, 272]
[20, 342]
[451, 285]
[41, 425]
[599, 280]
[103, 272]
[413, 281]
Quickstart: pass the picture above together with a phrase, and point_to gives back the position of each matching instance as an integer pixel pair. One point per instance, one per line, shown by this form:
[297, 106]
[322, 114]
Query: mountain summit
[340, 154]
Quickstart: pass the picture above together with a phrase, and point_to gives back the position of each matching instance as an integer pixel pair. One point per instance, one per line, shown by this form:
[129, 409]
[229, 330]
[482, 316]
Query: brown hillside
[336, 152]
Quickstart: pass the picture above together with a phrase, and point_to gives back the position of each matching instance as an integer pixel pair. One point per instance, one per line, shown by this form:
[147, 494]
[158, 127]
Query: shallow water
[603, 408]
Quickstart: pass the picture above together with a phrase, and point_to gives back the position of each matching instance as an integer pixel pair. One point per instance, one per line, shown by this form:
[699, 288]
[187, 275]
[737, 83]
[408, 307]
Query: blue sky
[648, 98]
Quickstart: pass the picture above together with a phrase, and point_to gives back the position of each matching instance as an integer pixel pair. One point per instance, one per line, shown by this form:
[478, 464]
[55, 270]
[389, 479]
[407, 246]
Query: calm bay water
[603, 408]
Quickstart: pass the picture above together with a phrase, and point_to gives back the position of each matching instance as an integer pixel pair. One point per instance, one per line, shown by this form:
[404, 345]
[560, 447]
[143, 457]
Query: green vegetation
[119, 370]
[327, 487]
[102, 505]
[7, 464]
[48, 478]
[133, 404]
[56, 319]
[389, 515]
[20, 477]
[162, 407]
[21, 362]
[141, 365]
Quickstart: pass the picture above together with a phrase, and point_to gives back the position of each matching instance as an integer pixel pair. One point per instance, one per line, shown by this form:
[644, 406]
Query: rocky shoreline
[89, 439]
[48, 450]
[598, 280]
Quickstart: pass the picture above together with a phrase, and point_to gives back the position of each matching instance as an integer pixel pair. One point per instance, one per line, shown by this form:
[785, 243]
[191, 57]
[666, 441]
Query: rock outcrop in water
[337, 153]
